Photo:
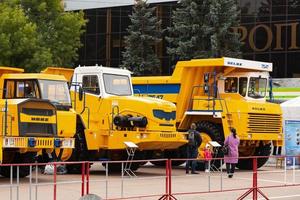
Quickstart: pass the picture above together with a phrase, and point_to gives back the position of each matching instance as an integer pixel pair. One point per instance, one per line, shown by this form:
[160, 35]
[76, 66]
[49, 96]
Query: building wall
[270, 30]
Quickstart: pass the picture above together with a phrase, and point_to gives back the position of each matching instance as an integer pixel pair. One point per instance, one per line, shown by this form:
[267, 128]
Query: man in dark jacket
[194, 142]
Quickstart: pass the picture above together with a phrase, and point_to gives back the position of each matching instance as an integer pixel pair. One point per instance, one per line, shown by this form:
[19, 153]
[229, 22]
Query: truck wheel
[262, 150]
[118, 156]
[117, 167]
[79, 153]
[209, 132]
[172, 154]
[23, 170]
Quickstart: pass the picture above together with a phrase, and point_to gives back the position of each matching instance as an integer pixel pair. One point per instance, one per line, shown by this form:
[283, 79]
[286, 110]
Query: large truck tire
[210, 132]
[172, 154]
[121, 155]
[79, 153]
[23, 170]
[117, 167]
[262, 150]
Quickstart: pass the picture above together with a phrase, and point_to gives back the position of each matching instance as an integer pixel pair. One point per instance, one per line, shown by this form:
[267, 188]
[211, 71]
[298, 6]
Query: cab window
[231, 84]
[90, 84]
[257, 87]
[21, 89]
[243, 86]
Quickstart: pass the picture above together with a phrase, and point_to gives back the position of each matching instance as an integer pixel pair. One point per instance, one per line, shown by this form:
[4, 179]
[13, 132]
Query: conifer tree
[202, 29]
[143, 33]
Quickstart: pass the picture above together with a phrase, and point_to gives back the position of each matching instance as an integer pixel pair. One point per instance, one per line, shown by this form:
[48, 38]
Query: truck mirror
[206, 77]
[80, 93]
[206, 88]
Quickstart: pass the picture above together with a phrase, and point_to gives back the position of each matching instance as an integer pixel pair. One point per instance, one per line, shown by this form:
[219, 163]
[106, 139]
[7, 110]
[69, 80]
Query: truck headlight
[57, 143]
[31, 142]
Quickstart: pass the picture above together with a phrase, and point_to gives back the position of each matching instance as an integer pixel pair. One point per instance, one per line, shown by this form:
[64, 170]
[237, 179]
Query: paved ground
[150, 180]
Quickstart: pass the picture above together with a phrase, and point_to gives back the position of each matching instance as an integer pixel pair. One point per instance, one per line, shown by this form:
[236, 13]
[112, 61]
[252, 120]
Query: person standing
[207, 157]
[231, 159]
[194, 142]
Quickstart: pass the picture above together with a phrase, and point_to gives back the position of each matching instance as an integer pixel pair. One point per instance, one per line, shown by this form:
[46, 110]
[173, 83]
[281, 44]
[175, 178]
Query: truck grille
[264, 123]
[37, 129]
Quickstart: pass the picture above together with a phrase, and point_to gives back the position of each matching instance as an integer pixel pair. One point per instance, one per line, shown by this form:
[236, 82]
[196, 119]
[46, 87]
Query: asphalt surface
[150, 183]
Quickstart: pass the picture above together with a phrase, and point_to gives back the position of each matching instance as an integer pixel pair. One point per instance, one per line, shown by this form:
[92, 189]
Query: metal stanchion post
[106, 180]
[36, 182]
[54, 182]
[82, 177]
[285, 170]
[122, 181]
[221, 174]
[87, 178]
[294, 170]
[254, 178]
[254, 190]
[208, 175]
[30, 180]
[170, 176]
[11, 182]
[18, 181]
[166, 196]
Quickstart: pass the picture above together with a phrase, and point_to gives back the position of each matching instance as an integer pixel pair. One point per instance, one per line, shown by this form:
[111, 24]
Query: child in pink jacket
[207, 157]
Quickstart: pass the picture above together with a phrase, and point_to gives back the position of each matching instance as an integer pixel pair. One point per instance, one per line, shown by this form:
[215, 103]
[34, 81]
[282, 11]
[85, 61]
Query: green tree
[143, 33]
[56, 34]
[18, 38]
[202, 29]
[59, 31]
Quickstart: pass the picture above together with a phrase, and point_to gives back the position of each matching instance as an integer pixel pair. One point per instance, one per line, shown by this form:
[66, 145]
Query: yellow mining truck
[109, 115]
[220, 93]
[36, 118]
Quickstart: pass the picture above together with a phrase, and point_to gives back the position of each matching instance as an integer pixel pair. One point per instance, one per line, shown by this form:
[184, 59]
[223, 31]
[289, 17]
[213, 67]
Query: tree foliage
[202, 29]
[52, 38]
[143, 33]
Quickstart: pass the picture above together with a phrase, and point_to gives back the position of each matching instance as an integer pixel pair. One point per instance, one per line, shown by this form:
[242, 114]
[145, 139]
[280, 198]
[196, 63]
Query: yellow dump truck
[220, 93]
[109, 115]
[36, 118]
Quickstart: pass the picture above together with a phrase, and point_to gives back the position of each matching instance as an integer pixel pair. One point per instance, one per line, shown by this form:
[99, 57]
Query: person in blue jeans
[194, 142]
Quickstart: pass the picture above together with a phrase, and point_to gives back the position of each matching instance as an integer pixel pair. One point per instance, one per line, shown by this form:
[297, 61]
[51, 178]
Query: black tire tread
[216, 134]
[262, 150]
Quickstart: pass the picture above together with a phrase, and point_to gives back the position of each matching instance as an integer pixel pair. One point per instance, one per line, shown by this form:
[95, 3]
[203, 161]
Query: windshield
[117, 84]
[257, 87]
[55, 91]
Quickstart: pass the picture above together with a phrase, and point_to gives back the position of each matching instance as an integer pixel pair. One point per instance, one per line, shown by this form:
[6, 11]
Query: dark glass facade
[270, 30]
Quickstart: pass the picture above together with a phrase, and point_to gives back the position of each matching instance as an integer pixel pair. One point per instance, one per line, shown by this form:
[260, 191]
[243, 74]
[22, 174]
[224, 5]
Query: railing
[166, 183]
[208, 100]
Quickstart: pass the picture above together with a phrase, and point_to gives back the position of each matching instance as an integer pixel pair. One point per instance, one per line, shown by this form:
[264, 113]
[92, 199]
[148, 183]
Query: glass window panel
[257, 87]
[231, 84]
[243, 86]
[90, 84]
[117, 84]
[55, 91]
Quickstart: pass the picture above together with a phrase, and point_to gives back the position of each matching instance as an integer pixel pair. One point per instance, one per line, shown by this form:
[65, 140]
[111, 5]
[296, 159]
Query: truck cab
[37, 118]
[249, 85]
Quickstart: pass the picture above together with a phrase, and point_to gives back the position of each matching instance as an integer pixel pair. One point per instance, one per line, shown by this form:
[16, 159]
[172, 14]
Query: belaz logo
[259, 109]
[41, 119]
[234, 63]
